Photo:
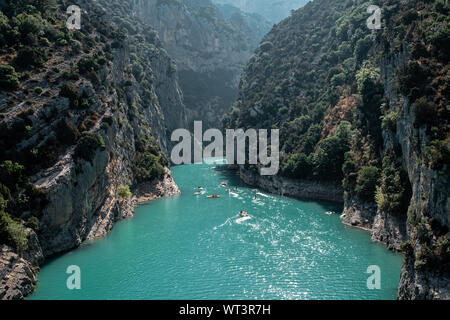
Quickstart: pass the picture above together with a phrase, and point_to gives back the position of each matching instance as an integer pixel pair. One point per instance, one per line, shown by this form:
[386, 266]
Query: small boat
[223, 184]
[243, 214]
[329, 213]
[213, 196]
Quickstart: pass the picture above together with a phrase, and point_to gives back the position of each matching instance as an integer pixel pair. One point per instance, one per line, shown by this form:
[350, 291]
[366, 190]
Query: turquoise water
[191, 247]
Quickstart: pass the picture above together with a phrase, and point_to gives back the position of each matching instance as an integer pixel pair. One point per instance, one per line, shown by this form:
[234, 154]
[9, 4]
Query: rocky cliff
[210, 51]
[366, 108]
[313, 190]
[84, 121]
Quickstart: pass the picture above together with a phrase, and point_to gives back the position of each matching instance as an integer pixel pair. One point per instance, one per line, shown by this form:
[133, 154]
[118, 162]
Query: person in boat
[229, 190]
[200, 188]
[223, 184]
[214, 196]
[243, 214]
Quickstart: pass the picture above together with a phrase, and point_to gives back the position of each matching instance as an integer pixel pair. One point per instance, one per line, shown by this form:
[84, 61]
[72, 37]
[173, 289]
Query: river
[191, 247]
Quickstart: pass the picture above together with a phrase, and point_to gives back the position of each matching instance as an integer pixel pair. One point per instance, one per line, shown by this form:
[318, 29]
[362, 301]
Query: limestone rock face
[294, 188]
[18, 273]
[210, 48]
[17, 276]
[131, 104]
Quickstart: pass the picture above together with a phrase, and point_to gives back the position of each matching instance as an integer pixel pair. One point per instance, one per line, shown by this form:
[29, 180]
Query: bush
[9, 79]
[87, 64]
[362, 48]
[29, 56]
[330, 155]
[297, 166]
[13, 233]
[147, 167]
[70, 75]
[37, 90]
[5, 220]
[394, 192]
[32, 223]
[67, 133]
[11, 174]
[88, 144]
[423, 110]
[338, 79]
[18, 235]
[367, 182]
[68, 90]
[124, 192]
[29, 24]
[3, 202]
[389, 121]
[437, 155]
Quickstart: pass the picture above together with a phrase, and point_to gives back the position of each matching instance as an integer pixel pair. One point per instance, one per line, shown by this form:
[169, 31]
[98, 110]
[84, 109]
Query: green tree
[124, 192]
[88, 144]
[367, 183]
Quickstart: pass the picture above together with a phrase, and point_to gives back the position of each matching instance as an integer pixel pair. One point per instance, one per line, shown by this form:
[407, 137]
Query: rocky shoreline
[356, 213]
[18, 273]
[312, 190]
[157, 189]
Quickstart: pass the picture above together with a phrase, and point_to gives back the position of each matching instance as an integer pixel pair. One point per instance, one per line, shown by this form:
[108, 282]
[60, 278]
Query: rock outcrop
[18, 274]
[283, 186]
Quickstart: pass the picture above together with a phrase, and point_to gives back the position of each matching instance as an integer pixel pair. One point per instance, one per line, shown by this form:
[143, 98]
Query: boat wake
[240, 220]
[227, 222]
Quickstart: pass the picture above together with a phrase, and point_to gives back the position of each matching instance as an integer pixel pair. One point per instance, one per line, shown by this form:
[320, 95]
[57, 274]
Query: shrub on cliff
[9, 79]
[12, 174]
[423, 110]
[147, 167]
[29, 56]
[29, 24]
[67, 133]
[330, 154]
[32, 223]
[393, 193]
[367, 182]
[297, 166]
[87, 64]
[5, 219]
[124, 192]
[68, 90]
[88, 144]
[3, 202]
[13, 233]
